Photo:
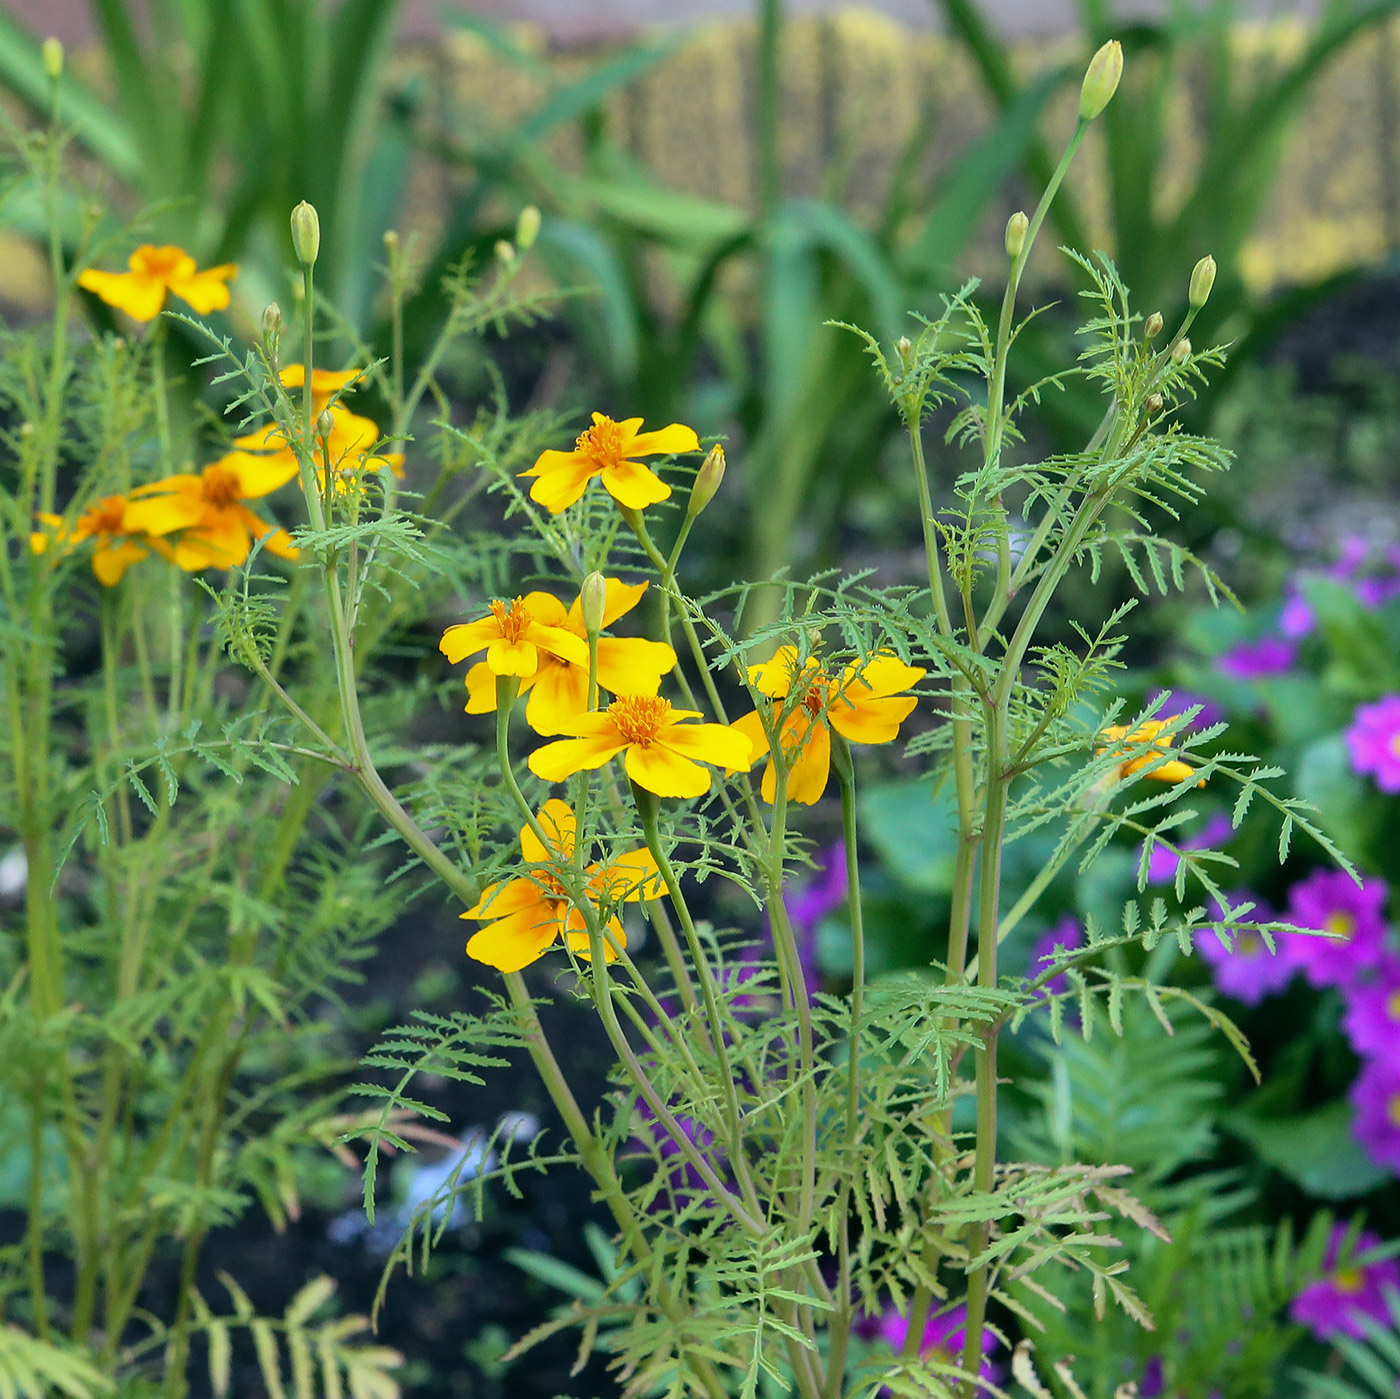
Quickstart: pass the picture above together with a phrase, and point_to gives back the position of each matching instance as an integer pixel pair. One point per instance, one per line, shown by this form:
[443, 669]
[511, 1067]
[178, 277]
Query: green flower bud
[1016, 228]
[505, 251]
[592, 600]
[325, 423]
[707, 481]
[1153, 404]
[271, 321]
[1202, 280]
[1101, 80]
[904, 348]
[53, 59]
[306, 233]
[527, 228]
[1181, 351]
[1152, 326]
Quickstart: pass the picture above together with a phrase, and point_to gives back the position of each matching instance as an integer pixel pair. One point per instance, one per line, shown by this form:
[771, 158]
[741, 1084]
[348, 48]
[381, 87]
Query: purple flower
[682, 1178]
[1179, 701]
[1374, 740]
[944, 1336]
[809, 903]
[1371, 1020]
[1334, 1305]
[1162, 862]
[1328, 901]
[1382, 584]
[1065, 936]
[1296, 618]
[1254, 660]
[1375, 1096]
[1246, 969]
[1153, 1381]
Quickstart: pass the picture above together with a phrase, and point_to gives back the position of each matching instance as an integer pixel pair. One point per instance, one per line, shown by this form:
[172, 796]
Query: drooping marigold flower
[663, 752]
[606, 450]
[350, 444]
[155, 272]
[118, 543]
[216, 529]
[514, 639]
[325, 383]
[1149, 731]
[559, 687]
[530, 914]
[865, 704]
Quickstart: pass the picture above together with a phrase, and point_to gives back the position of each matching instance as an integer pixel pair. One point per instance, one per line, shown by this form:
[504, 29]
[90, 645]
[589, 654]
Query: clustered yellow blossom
[527, 916]
[1149, 731]
[155, 273]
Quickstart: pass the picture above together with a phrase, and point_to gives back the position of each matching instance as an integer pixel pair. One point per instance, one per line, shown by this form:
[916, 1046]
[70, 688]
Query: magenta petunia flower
[1375, 1097]
[1353, 913]
[1246, 969]
[1335, 1304]
[1371, 1020]
[1374, 740]
[1066, 935]
[944, 1336]
[1256, 660]
[1162, 863]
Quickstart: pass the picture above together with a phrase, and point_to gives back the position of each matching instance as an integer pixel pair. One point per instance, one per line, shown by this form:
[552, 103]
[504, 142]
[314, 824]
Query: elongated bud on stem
[527, 228]
[904, 348]
[325, 423]
[1202, 280]
[707, 481]
[1181, 351]
[505, 251]
[1152, 326]
[1153, 404]
[53, 59]
[1101, 80]
[1016, 227]
[272, 330]
[391, 241]
[592, 599]
[306, 233]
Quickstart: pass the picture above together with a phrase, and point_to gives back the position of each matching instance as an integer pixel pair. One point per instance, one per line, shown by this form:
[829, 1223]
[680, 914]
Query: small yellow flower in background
[141, 293]
[559, 687]
[350, 443]
[216, 528]
[325, 383]
[606, 450]
[529, 915]
[118, 541]
[865, 705]
[1148, 731]
[663, 752]
[514, 640]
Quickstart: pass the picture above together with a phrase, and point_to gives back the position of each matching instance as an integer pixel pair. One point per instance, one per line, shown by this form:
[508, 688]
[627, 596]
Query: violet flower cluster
[1350, 1289]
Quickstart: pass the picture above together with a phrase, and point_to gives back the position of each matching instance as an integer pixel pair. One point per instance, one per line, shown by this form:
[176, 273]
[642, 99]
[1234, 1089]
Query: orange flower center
[639, 718]
[602, 443]
[107, 516]
[222, 487]
[159, 262]
[1348, 1281]
[1343, 924]
[514, 621]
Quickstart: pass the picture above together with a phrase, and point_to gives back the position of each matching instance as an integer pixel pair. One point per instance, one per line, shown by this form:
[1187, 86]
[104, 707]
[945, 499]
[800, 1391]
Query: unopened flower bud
[306, 233]
[1181, 351]
[707, 481]
[1101, 80]
[1152, 326]
[527, 228]
[325, 423]
[904, 348]
[1153, 404]
[53, 59]
[593, 601]
[391, 241]
[1202, 280]
[271, 321]
[1016, 227]
[505, 251]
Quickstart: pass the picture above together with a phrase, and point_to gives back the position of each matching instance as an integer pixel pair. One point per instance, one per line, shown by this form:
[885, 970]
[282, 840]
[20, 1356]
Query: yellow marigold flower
[514, 640]
[325, 383]
[216, 528]
[350, 443]
[606, 450]
[863, 705]
[663, 752]
[1148, 731]
[155, 272]
[108, 524]
[529, 915]
[559, 687]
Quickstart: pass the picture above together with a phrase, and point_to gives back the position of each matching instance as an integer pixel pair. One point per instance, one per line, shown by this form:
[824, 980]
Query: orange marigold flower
[663, 752]
[559, 687]
[529, 915]
[216, 529]
[118, 542]
[514, 639]
[606, 450]
[1149, 731]
[350, 443]
[863, 705]
[155, 272]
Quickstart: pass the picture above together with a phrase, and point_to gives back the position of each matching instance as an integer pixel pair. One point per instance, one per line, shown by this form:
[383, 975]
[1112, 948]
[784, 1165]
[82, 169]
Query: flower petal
[259, 475]
[509, 896]
[139, 295]
[547, 609]
[560, 694]
[633, 666]
[481, 689]
[558, 642]
[667, 440]
[111, 561]
[721, 744]
[631, 484]
[205, 291]
[513, 943]
[557, 820]
[562, 477]
[881, 675]
[774, 677]
[870, 720]
[660, 769]
[556, 761]
[811, 768]
[467, 638]
[582, 945]
[626, 879]
[512, 657]
[751, 726]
